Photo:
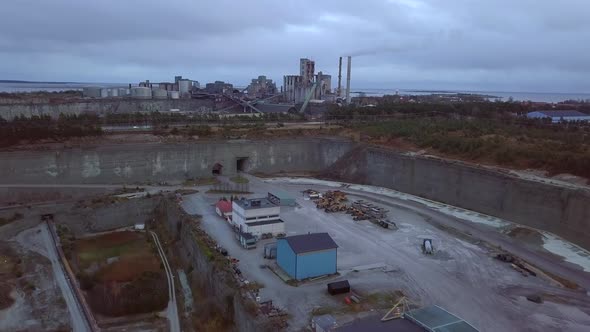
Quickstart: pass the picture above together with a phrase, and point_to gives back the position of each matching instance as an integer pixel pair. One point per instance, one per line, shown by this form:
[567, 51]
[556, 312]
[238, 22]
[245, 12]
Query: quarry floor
[461, 277]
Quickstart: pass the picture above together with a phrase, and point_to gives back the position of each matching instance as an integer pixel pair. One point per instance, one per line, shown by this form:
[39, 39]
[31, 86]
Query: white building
[559, 116]
[257, 216]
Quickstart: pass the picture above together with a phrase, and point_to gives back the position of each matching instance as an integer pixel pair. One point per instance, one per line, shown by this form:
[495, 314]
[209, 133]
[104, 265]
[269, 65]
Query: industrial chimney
[348, 80]
[339, 92]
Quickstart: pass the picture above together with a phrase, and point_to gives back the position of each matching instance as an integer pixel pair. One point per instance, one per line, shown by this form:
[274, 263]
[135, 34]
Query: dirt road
[78, 320]
[172, 311]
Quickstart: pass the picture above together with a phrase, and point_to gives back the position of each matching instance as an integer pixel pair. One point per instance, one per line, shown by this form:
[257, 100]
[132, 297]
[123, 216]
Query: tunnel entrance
[217, 169]
[242, 164]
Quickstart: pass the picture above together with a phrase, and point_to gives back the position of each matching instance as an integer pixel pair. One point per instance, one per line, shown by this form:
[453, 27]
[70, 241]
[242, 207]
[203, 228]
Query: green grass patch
[98, 249]
[239, 179]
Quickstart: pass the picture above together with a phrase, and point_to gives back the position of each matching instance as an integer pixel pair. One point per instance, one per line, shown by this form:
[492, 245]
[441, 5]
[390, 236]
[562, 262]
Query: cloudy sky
[498, 45]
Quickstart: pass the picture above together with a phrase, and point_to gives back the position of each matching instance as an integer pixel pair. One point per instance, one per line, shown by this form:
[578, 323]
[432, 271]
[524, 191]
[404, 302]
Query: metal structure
[308, 97]
[348, 79]
[398, 310]
[339, 91]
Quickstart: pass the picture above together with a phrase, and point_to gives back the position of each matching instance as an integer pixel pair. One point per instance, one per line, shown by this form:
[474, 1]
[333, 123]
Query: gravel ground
[42, 308]
[462, 277]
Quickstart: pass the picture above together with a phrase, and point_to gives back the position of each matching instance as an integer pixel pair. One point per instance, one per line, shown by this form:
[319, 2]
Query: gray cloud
[455, 44]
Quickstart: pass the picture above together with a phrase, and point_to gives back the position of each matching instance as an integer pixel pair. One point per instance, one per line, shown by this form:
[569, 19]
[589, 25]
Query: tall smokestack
[339, 92]
[348, 80]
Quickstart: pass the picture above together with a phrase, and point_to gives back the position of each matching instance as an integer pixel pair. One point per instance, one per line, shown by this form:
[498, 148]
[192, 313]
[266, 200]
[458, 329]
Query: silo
[173, 94]
[159, 93]
[113, 92]
[91, 92]
[122, 92]
[104, 92]
[184, 87]
[141, 92]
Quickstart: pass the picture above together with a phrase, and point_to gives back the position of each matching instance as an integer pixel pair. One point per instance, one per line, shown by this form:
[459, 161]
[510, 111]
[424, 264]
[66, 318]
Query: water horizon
[548, 97]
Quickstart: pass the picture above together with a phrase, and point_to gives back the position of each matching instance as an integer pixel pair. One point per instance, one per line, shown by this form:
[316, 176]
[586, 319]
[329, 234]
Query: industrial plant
[306, 93]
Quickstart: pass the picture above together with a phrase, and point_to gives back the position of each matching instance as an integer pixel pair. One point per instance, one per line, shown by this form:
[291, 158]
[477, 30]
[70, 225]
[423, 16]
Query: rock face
[159, 162]
[561, 210]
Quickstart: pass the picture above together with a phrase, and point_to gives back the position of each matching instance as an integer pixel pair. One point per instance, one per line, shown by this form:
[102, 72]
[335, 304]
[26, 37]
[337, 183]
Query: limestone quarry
[95, 225]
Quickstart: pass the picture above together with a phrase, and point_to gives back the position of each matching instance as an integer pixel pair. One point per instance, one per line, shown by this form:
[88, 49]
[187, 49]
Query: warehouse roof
[254, 203]
[310, 242]
[437, 319]
[374, 324]
[224, 206]
[562, 113]
[280, 194]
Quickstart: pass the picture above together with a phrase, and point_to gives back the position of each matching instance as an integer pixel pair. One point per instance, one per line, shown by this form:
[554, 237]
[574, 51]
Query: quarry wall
[209, 272]
[560, 210]
[103, 106]
[159, 162]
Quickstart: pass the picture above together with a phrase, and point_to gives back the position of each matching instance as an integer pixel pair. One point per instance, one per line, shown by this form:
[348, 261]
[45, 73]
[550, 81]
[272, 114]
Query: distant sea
[15, 87]
[547, 97]
[502, 95]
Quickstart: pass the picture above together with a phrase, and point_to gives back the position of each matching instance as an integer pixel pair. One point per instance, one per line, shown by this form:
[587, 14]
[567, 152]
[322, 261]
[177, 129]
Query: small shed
[281, 198]
[307, 256]
[223, 208]
[323, 323]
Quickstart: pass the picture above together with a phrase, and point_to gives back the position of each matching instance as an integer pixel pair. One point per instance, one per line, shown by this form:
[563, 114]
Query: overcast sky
[501, 45]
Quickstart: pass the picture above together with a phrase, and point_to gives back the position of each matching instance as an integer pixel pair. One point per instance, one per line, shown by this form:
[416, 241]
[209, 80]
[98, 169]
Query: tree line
[36, 128]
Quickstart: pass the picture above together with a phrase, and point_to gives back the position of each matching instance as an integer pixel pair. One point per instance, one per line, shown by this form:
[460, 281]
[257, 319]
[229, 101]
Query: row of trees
[44, 127]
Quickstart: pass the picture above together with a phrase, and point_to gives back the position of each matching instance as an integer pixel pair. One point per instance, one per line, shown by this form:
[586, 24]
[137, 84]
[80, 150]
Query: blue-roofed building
[307, 256]
[559, 116]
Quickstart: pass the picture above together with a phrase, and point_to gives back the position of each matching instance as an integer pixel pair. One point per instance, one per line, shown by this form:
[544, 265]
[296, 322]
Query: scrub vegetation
[487, 133]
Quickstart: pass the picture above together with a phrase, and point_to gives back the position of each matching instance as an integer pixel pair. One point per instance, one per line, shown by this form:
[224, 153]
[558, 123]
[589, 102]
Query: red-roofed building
[224, 209]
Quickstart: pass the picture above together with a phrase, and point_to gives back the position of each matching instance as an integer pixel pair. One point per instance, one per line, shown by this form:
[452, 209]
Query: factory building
[219, 87]
[559, 116]
[261, 87]
[307, 70]
[257, 216]
[307, 256]
[296, 88]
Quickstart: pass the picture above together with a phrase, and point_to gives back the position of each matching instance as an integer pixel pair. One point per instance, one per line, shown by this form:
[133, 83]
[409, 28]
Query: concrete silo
[123, 92]
[184, 87]
[141, 92]
[104, 93]
[159, 94]
[113, 92]
[173, 94]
